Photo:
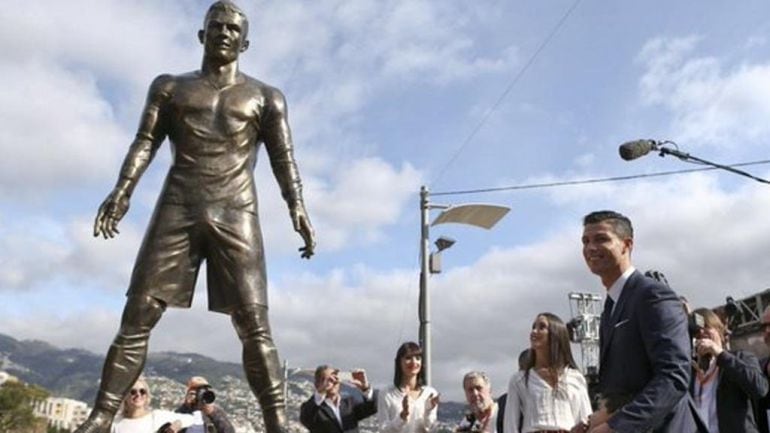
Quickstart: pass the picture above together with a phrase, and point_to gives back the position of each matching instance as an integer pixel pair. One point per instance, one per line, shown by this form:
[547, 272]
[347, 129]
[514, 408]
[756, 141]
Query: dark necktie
[606, 315]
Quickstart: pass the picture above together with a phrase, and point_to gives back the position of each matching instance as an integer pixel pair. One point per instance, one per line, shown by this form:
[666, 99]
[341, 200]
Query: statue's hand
[302, 226]
[110, 213]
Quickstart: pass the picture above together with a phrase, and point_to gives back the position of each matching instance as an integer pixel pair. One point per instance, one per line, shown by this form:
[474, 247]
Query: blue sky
[385, 96]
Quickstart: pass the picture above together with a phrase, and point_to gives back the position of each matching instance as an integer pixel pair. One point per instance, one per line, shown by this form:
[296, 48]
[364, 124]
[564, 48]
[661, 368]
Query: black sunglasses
[140, 391]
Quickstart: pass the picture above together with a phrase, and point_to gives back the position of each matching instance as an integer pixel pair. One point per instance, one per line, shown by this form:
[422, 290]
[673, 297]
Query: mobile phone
[345, 376]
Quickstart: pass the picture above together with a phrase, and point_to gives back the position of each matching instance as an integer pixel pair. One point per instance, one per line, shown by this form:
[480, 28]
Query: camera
[695, 324]
[204, 395]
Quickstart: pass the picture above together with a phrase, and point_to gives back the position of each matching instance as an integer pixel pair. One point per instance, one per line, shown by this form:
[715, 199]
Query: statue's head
[225, 30]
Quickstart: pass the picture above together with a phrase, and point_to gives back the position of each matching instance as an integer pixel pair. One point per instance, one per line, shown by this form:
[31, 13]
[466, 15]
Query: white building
[63, 413]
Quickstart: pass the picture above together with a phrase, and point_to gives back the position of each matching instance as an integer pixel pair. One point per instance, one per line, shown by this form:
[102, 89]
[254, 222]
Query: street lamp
[479, 215]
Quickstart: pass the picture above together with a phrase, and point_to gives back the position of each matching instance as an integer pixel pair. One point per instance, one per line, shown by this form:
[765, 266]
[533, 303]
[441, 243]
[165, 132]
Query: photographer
[724, 382]
[200, 398]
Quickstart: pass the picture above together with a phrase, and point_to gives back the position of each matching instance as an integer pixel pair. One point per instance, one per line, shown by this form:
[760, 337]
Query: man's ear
[629, 243]
[201, 33]
[245, 45]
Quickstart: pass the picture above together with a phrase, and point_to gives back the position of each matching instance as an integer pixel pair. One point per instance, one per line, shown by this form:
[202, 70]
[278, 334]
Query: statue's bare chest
[199, 108]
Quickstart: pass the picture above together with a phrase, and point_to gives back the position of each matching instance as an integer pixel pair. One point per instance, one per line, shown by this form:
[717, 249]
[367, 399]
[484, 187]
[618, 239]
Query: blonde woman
[137, 416]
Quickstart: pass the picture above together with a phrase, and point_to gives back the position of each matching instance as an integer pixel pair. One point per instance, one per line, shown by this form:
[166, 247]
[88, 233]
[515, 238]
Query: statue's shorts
[181, 236]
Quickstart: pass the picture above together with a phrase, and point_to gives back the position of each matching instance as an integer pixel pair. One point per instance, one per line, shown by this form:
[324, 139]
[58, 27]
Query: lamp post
[479, 215]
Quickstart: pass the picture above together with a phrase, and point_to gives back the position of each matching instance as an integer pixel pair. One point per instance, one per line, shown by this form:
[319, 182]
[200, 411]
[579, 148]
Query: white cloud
[71, 76]
[361, 199]
[57, 127]
[28, 252]
[710, 103]
[350, 203]
[39, 252]
[119, 41]
[337, 56]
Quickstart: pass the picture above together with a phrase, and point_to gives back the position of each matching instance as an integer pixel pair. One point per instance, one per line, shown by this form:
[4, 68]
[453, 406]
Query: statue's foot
[96, 423]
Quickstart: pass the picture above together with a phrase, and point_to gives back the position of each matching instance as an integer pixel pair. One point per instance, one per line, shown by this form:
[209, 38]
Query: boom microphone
[637, 148]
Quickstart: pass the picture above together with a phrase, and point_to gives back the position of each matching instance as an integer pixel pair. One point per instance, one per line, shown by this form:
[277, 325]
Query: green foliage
[16, 400]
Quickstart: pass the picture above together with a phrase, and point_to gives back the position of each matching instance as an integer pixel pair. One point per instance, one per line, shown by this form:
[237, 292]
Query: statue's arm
[280, 149]
[150, 134]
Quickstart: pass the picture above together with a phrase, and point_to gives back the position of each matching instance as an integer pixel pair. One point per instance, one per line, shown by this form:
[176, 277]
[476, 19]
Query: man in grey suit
[645, 347]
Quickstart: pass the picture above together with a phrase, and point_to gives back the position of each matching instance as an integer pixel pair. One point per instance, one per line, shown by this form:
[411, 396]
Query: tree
[16, 400]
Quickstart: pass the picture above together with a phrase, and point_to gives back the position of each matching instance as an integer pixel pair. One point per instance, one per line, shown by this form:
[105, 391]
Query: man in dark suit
[645, 347]
[327, 411]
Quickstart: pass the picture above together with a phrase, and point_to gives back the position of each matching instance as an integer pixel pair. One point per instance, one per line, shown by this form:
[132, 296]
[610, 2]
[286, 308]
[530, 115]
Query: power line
[507, 90]
[589, 181]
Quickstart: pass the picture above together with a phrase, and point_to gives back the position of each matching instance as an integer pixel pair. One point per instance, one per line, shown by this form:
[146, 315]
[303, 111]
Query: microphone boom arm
[689, 158]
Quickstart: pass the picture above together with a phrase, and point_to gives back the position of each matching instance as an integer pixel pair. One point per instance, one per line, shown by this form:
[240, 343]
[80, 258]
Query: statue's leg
[260, 361]
[124, 362]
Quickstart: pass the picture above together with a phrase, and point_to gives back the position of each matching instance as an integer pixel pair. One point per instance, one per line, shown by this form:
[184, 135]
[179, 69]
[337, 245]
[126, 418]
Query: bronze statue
[215, 120]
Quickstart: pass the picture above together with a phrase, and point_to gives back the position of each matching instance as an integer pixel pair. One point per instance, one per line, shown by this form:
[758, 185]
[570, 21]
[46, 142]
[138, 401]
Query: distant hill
[75, 373]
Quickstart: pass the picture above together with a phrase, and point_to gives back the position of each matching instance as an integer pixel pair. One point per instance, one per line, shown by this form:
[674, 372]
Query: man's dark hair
[620, 223]
[406, 350]
[523, 357]
[319, 371]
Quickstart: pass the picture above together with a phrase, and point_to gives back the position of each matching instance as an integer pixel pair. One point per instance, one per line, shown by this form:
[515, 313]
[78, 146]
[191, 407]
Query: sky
[385, 96]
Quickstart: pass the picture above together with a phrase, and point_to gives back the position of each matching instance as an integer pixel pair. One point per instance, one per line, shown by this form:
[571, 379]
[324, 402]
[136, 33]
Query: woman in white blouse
[138, 417]
[408, 406]
[550, 394]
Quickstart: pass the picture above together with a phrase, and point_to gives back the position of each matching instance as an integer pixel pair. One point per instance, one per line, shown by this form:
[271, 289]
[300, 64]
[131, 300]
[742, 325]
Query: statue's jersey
[214, 136]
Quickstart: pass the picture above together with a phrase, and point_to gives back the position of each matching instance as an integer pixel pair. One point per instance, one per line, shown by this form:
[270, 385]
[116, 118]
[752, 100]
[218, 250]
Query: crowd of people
[663, 368]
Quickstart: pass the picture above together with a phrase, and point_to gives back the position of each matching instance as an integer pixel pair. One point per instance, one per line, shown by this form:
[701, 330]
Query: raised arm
[742, 368]
[150, 134]
[277, 137]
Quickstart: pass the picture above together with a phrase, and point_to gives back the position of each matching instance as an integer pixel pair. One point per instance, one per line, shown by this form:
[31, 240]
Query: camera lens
[208, 396]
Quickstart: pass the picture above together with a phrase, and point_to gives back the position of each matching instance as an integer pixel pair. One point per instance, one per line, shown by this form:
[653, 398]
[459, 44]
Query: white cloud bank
[712, 102]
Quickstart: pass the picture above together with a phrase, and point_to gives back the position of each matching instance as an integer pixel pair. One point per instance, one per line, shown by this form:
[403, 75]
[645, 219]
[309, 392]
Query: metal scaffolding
[586, 310]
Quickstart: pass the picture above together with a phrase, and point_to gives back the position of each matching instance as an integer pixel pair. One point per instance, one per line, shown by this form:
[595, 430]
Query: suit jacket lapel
[330, 413]
[617, 312]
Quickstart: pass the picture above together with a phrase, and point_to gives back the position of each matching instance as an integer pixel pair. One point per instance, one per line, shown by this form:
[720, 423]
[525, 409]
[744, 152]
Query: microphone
[637, 149]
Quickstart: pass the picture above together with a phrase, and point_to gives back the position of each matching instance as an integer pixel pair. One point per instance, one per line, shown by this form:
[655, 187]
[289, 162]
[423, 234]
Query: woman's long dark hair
[406, 350]
[558, 343]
